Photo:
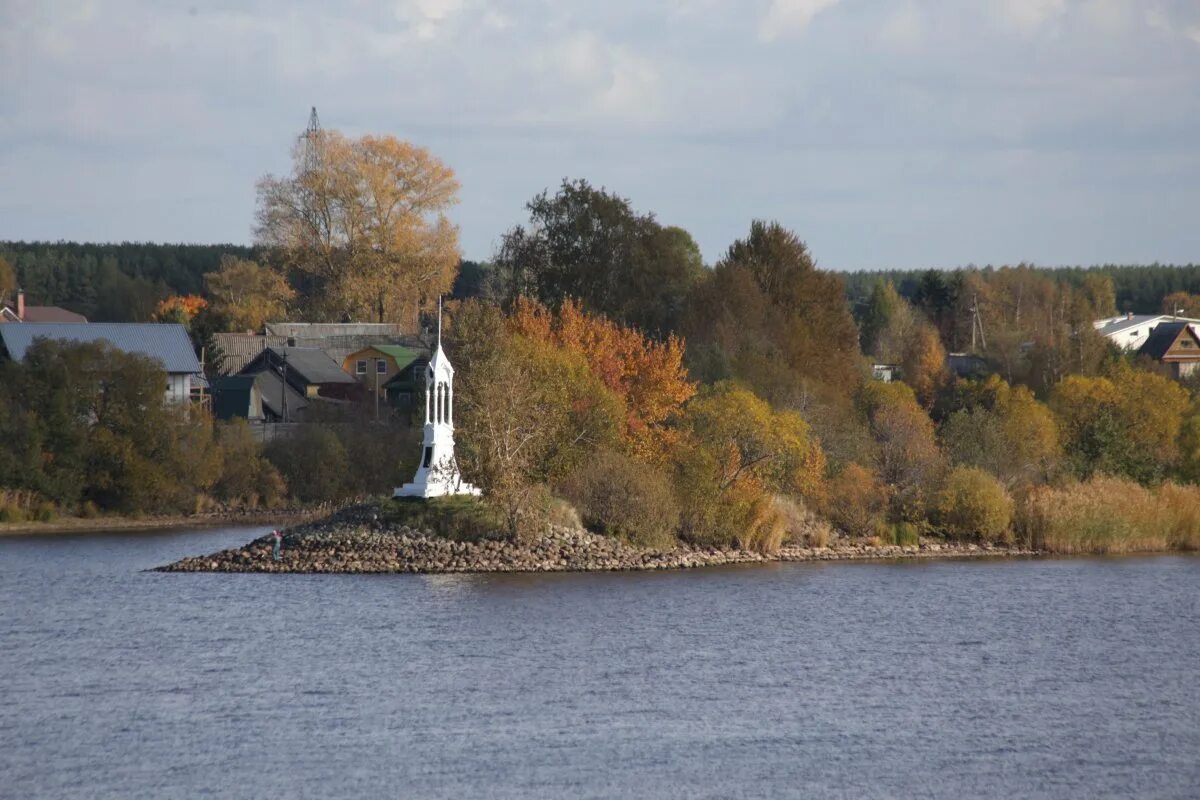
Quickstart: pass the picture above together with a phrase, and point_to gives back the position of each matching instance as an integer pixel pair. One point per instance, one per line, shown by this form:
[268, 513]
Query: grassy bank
[102, 523]
[1111, 515]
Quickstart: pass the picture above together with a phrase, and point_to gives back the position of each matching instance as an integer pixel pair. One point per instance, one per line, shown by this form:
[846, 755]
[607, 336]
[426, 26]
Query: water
[1046, 678]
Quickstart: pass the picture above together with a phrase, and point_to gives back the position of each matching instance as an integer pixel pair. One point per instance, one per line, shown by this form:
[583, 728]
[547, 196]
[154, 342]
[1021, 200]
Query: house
[236, 350]
[967, 366]
[1130, 331]
[166, 343]
[19, 312]
[1175, 345]
[394, 372]
[885, 373]
[336, 339]
[308, 370]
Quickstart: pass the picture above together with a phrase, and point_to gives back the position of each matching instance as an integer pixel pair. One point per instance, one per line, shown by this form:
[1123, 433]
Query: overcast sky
[887, 133]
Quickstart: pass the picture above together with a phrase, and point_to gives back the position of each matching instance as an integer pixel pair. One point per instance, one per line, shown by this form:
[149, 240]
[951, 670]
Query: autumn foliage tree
[736, 453]
[767, 316]
[1127, 424]
[363, 221]
[245, 295]
[180, 308]
[648, 376]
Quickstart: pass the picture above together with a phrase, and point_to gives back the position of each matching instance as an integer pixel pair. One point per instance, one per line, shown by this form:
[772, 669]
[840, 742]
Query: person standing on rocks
[277, 545]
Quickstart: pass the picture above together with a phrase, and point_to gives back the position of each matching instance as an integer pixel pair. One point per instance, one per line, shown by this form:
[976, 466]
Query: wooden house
[1175, 345]
[396, 374]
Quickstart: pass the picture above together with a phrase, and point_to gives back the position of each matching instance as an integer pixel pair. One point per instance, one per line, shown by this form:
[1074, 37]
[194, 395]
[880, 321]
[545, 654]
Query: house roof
[43, 314]
[239, 349]
[402, 355]
[310, 363]
[1115, 325]
[1162, 337]
[164, 342]
[321, 330]
[273, 388]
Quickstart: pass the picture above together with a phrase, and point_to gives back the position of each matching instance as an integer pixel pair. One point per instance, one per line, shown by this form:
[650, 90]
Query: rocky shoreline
[356, 542]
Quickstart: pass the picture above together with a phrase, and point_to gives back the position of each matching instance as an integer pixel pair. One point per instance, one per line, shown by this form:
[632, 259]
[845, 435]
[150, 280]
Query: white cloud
[785, 17]
[426, 17]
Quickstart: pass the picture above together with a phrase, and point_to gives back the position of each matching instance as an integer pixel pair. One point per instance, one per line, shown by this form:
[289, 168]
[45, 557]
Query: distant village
[282, 374]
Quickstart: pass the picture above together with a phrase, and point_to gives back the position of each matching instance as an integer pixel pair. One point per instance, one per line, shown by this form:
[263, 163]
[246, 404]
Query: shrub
[900, 533]
[857, 501]
[619, 496]
[247, 479]
[12, 514]
[1111, 515]
[314, 464]
[801, 526]
[973, 504]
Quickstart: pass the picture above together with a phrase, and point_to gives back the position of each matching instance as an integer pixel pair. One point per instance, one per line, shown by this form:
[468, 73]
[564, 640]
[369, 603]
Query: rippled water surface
[1046, 678]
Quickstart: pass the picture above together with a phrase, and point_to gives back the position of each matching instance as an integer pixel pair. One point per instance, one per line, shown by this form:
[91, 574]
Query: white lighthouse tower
[437, 474]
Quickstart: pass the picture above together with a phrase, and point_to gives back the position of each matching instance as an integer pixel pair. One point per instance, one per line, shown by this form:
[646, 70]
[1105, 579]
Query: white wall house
[1130, 331]
[166, 343]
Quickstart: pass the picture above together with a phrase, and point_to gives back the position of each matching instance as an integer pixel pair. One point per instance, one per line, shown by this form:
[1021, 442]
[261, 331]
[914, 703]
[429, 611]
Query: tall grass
[1111, 515]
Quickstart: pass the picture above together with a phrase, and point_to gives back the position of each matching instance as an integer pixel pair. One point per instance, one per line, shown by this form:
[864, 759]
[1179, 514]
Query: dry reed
[1111, 515]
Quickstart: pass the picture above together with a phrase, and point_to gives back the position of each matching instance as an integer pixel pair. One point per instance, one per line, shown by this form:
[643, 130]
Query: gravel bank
[354, 541]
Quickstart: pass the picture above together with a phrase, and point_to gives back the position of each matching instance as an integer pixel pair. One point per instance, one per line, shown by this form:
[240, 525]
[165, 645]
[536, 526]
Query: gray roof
[321, 330]
[314, 365]
[167, 343]
[1122, 323]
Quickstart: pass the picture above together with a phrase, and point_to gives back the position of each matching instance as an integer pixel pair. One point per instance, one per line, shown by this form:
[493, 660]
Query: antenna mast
[311, 141]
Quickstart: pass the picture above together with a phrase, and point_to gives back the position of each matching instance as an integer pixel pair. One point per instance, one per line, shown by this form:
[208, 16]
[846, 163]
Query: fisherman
[277, 545]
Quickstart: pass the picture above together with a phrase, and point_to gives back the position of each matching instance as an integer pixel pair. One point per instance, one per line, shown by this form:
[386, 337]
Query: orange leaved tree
[648, 376]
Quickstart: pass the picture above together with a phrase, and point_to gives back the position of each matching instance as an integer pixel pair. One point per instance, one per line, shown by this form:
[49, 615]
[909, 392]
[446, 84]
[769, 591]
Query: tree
[8, 279]
[245, 295]
[1005, 431]
[923, 365]
[529, 412]
[907, 457]
[767, 316]
[363, 220]
[736, 453]
[1184, 304]
[589, 244]
[1128, 424]
[181, 309]
[887, 324]
[96, 430]
[647, 376]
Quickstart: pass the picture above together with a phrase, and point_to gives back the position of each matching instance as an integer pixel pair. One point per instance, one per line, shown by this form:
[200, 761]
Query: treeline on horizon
[125, 282]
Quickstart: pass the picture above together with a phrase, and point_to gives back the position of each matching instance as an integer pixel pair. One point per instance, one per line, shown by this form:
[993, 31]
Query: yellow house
[393, 372]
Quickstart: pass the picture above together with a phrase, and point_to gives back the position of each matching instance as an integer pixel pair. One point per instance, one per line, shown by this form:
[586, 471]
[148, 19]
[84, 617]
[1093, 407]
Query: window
[360, 367]
[1186, 343]
[428, 457]
[381, 366]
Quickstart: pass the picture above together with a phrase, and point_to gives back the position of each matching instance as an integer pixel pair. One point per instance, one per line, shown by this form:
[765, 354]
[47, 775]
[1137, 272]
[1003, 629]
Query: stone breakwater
[355, 547]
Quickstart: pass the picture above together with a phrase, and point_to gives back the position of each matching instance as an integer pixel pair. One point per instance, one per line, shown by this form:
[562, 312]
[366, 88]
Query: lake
[1022, 678]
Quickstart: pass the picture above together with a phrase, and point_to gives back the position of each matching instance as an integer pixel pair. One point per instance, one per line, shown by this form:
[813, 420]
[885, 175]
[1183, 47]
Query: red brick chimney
[20, 304]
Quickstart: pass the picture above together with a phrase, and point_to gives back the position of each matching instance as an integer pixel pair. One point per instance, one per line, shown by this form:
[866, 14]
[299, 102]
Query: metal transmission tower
[311, 139]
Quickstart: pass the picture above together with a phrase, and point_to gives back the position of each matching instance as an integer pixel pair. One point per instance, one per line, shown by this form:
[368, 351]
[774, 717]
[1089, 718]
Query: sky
[885, 133]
